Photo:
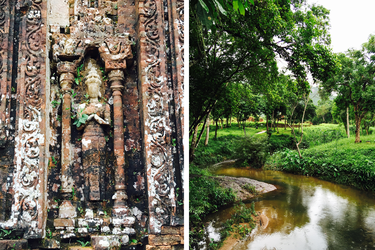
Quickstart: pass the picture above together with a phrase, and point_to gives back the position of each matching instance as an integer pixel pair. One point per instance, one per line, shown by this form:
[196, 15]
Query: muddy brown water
[304, 213]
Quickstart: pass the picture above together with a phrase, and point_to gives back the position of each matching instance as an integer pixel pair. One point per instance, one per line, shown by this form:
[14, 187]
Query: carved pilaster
[5, 85]
[155, 116]
[66, 71]
[114, 53]
[116, 78]
[30, 162]
[176, 21]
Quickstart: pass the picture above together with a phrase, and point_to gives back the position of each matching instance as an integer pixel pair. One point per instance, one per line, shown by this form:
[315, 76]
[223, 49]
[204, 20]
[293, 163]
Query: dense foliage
[206, 196]
[244, 49]
[336, 161]
[251, 151]
[354, 82]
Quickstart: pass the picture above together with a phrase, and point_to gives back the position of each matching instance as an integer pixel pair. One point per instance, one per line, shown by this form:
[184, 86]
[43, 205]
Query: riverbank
[234, 239]
[340, 161]
[211, 193]
[326, 153]
[244, 188]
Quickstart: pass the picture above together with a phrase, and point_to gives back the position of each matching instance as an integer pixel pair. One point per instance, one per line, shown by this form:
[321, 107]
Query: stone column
[66, 71]
[114, 53]
[116, 78]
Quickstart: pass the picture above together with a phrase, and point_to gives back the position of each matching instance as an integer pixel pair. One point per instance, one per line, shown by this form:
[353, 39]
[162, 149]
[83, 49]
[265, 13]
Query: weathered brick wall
[46, 188]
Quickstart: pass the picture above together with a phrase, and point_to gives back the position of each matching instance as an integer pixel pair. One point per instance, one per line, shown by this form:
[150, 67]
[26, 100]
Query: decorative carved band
[176, 9]
[158, 149]
[4, 90]
[29, 172]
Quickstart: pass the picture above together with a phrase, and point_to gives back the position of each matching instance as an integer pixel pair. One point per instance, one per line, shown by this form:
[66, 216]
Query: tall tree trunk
[230, 121]
[222, 122]
[277, 128]
[357, 128]
[193, 144]
[216, 129]
[347, 122]
[267, 123]
[244, 126]
[227, 122]
[207, 130]
[239, 122]
[285, 122]
[303, 116]
[273, 120]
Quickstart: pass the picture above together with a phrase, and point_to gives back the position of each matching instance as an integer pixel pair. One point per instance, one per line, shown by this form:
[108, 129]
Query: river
[304, 213]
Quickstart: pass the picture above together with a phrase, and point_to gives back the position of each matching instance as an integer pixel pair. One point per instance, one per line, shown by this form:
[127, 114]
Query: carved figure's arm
[107, 114]
[100, 120]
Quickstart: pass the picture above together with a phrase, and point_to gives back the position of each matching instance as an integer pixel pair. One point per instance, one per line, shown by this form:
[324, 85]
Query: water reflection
[306, 213]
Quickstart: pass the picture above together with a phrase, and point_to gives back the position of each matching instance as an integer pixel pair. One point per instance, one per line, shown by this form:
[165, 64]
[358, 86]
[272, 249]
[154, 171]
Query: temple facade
[91, 124]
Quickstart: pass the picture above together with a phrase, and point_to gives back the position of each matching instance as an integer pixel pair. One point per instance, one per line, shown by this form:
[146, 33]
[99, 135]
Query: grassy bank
[326, 151]
[207, 196]
[339, 161]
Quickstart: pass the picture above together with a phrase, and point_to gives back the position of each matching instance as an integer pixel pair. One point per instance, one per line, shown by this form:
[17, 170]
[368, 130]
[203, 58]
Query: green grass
[326, 151]
[341, 161]
[206, 196]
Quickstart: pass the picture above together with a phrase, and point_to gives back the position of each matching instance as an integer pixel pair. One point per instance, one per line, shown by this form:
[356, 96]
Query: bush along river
[303, 213]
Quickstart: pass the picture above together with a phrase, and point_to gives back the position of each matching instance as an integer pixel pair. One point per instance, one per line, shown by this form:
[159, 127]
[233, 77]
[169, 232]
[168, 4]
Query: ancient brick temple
[91, 124]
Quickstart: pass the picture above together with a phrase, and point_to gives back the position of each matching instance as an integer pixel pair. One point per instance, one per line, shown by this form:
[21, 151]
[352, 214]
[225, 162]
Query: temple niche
[91, 124]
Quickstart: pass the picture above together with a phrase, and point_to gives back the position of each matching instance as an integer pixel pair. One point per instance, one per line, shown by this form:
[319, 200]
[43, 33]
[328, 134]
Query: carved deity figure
[97, 116]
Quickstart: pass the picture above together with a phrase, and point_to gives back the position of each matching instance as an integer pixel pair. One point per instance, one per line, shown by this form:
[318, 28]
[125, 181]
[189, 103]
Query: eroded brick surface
[168, 240]
[13, 244]
[73, 164]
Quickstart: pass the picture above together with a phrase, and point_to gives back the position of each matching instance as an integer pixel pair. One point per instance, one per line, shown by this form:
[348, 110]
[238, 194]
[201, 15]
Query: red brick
[170, 230]
[63, 222]
[13, 244]
[149, 247]
[165, 240]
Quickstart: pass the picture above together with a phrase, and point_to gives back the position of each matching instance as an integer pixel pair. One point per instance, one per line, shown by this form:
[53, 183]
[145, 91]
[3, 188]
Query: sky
[351, 22]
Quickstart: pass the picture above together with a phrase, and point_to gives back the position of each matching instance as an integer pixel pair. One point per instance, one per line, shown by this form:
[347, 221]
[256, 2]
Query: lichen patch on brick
[91, 121]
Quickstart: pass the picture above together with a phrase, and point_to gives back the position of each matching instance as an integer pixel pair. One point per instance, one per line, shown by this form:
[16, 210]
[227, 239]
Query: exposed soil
[237, 185]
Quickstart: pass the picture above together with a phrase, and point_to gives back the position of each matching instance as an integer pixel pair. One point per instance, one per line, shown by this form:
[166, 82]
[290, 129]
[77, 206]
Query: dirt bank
[237, 185]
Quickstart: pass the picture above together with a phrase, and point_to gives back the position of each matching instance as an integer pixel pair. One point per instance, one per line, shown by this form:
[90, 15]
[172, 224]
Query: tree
[342, 115]
[355, 83]
[245, 49]
[368, 121]
[248, 106]
[324, 110]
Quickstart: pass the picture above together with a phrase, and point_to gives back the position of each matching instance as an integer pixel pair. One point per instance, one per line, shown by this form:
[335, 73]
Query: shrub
[250, 188]
[252, 150]
[217, 151]
[280, 142]
[343, 165]
[206, 197]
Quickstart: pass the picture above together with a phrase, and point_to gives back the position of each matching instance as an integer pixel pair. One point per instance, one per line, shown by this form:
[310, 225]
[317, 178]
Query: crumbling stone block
[51, 244]
[79, 248]
[166, 240]
[170, 230]
[150, 247]
[13, 244]
[105, 242]
[64, 222]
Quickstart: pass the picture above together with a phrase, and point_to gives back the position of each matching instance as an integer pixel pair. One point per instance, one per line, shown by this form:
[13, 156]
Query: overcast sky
[351, 22]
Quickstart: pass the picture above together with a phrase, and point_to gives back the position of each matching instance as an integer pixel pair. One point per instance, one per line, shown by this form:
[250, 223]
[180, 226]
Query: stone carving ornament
[94, 115]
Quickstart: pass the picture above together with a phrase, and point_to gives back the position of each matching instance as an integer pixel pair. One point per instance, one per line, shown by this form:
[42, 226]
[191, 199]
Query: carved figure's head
[93, 81]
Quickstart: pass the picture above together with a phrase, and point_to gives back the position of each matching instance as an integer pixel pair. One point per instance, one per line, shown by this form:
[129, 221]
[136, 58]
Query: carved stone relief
[4, 89]
[158, 148]
[95, 136]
